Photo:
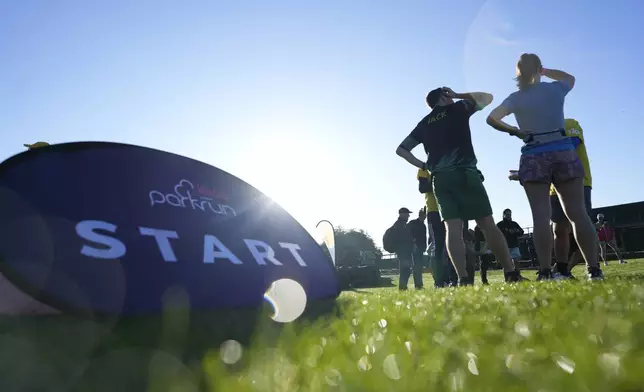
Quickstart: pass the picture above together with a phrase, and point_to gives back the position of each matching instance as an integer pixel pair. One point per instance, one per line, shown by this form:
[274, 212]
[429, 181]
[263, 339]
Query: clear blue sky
[307, 100]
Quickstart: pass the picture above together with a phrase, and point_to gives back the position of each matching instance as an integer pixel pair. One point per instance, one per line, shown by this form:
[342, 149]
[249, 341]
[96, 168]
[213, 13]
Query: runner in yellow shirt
[425, 187]
[440, 264]
[566, 248]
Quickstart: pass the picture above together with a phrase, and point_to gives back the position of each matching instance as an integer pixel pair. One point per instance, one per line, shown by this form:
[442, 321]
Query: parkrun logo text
[186, 195]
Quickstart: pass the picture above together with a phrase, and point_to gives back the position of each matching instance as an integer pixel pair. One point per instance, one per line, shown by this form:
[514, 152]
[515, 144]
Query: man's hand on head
[449, 93]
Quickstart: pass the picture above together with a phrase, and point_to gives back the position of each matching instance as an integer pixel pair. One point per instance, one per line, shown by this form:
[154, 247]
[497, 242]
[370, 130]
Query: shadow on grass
[73, 353]
[357, 291]
[355, 285]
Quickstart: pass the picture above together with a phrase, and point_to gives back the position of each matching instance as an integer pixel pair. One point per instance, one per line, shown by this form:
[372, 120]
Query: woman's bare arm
[558, 75]
[495, 120]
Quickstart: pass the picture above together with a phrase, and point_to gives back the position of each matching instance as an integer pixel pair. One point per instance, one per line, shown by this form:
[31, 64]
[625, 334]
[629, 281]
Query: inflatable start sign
[109, 228]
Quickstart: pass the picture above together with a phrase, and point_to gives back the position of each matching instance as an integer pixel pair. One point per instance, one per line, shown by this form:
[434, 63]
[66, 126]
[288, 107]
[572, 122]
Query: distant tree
[354, 245]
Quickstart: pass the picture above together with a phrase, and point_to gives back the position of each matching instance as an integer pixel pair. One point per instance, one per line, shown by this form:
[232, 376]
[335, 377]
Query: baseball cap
[433, 97]
[404, 211]
[36, 145]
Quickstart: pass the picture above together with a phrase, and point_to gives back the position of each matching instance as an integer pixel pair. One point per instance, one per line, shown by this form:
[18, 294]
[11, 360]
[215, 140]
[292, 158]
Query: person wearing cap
[404, 248]
[606, 237]
[457, 183]
[512, 232]
[418, 231]
[36, 145]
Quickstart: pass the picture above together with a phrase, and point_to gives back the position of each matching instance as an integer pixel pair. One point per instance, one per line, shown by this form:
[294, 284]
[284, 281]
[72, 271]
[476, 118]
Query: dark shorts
[550, 167]
[461, 195]
[556, 211]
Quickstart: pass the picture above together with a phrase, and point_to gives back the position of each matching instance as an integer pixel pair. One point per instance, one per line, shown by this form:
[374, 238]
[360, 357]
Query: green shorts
[461, 195]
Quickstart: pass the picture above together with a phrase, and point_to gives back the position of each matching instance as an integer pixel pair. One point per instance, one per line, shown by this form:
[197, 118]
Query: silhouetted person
[606, 237]
[439, 263]
[419, 233]
[512, 232]
[404, 247]
[457, 182]
[485, 255]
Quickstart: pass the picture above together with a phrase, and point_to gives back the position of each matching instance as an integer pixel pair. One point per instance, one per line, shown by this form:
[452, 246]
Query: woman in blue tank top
[547, 157]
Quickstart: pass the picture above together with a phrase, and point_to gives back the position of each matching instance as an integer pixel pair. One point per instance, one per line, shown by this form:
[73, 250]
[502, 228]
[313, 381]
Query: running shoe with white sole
[595, 274]
[563, 276]
[514, 276]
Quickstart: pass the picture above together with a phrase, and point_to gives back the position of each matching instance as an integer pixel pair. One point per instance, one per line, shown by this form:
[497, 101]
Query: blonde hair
[528, 70]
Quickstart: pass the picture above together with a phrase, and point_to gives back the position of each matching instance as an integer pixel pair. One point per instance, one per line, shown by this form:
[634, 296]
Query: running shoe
[560, 276]
[595, 274]
[514, 276]
[545, 274]
[522, 278]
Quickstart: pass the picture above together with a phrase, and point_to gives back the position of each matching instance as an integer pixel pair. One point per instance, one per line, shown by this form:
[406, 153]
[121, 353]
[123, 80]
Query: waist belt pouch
[536, 138]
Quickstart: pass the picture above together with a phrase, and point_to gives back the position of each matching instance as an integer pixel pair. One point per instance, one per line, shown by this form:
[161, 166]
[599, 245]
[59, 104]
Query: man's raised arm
[480, 100]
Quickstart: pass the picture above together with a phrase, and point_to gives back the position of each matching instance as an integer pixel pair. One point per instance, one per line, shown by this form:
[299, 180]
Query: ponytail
[524, 80]
[528, 70]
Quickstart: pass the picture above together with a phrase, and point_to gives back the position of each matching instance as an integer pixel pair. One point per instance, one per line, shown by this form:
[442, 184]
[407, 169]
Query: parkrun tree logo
[186, 195]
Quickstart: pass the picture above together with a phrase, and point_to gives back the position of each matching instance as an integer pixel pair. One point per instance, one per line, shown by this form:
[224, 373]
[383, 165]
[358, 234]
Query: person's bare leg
[613, 246]
[561, 231]
[539, 198]
[602, 251]
[496, 242]
[456, 246]
[571, 196]
[562, 241]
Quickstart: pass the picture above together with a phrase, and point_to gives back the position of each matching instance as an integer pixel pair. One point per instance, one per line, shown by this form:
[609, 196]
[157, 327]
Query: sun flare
[296, 174]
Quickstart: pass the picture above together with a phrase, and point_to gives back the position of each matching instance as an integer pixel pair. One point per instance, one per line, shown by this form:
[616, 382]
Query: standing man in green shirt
[457, 183]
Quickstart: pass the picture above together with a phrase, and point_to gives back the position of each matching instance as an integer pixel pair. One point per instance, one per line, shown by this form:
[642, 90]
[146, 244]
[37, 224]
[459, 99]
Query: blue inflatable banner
[109, 228]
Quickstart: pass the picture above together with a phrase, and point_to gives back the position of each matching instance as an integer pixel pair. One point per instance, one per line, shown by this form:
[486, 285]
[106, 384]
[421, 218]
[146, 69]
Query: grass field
[553, 336]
